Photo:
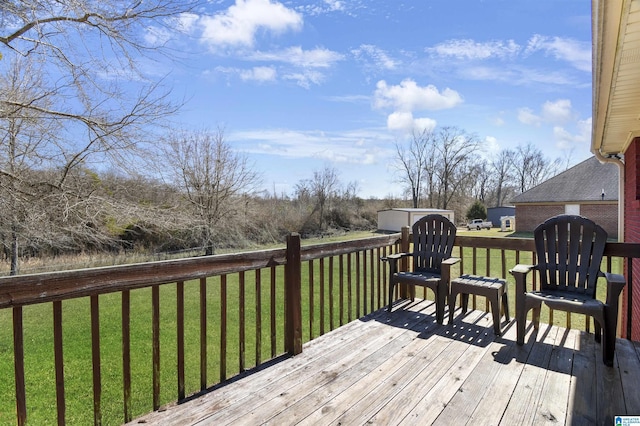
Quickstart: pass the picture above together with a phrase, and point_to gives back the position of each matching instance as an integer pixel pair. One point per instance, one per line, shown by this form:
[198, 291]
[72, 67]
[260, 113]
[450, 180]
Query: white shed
[394, 219]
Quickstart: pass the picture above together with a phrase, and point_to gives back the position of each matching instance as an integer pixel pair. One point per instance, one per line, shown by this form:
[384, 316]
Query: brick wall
[531, 215]
[604, 214]
[528, 216]
[632, 228]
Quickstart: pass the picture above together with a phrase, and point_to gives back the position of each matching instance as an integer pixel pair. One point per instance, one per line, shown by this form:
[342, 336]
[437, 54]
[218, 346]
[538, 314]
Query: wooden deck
[402, 368]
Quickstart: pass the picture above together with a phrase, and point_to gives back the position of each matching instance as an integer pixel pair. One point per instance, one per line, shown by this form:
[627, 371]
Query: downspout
[620, 163]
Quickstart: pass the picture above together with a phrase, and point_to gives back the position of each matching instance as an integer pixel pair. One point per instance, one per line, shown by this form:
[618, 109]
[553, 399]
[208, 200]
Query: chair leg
[597, 331]
[464, 302]
[535, 317]
[521, 319]
[609, 331]
[441, 300]
[495, 311]
[452, 304]
[505, 305]
[391, 288]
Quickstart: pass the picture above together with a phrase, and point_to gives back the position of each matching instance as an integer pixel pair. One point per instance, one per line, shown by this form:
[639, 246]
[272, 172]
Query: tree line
[449, 168]
[89, 161]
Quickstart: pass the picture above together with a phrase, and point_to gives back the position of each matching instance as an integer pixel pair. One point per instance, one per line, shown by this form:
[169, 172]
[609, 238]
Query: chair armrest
[520, 272]
[451, 261]
[445, 268]
[394, 256]
[522, 269]
[615, 284]
[393, 261]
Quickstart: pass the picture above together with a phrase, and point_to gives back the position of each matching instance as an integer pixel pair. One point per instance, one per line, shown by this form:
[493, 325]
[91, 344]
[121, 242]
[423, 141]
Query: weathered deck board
[403, 368]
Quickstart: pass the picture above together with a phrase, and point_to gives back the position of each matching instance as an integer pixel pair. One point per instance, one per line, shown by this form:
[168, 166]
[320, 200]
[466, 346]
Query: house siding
[632, 227]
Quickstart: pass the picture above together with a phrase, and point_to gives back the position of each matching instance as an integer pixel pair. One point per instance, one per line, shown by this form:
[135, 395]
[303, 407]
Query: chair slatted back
[433, 238]
[569, 250]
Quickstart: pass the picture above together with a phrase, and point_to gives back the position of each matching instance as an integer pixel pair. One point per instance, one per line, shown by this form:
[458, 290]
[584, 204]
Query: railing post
[405, 291]
[293, 295]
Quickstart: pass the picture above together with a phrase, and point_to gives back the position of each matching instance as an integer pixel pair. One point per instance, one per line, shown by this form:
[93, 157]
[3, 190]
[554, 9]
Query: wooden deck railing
[248, 308]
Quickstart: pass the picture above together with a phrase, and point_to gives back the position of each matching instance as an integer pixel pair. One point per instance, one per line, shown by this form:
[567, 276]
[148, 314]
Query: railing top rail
[45, 287]
[631, 250]
[317, 251]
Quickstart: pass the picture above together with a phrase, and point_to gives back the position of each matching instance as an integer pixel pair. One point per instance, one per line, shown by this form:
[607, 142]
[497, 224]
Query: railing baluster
[378, 280]
[341, 273]
[321, 296]
[331, 295]
[203, 333]
[372, 278]
[223, 327]
[59, 361]
[95, 360]
[126, 354]
[358, 291]
[273, 330]
[258, 290]
[155, 321]
[241, 323]
[18, 366]
[311, 300]
[349, 292]
[180, 337]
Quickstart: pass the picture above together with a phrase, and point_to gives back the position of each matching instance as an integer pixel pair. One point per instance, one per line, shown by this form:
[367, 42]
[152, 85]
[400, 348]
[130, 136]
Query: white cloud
[408, 96]
[400, 121]
[404, 122]
[334, 5]
[238, 25]
[425, 123]
[557, 112]
[567, 140]
[314, 58]
[527, 116]
[306, 78]
[492, 147]
[157, 36]
[261, 74]
[576, 52]
[355, 147]
[380, 58]
[470, 49]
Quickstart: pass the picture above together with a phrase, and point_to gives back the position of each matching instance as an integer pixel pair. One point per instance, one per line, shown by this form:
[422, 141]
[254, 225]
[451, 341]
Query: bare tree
[531, 167]
[456, 156]
[211, 174]
[321, 190]
[72, 92]
[414, 164]
[502, 172]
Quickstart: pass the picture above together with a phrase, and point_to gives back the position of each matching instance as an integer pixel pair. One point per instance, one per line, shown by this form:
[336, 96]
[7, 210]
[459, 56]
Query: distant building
[394, 219]
[589, 189]
[494, 214]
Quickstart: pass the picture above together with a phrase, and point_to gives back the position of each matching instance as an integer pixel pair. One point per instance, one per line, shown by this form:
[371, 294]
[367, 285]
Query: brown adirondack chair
[569, 249]
[433, 237]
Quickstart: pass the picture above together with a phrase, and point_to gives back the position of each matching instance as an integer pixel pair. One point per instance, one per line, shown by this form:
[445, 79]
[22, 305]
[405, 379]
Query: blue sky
[302, 85]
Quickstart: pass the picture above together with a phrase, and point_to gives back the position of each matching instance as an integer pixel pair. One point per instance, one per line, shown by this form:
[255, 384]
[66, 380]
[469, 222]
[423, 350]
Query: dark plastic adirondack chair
[569, 250]
[433, 237]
